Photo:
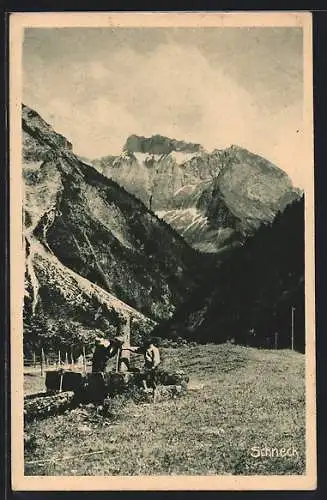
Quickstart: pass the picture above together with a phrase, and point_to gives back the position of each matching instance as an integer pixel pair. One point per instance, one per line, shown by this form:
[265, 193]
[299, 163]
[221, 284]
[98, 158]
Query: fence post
[84, 359]
[34, 359]
[127, 344]
[276, 339]
[42, 360]
[118, 359]
[292, 327]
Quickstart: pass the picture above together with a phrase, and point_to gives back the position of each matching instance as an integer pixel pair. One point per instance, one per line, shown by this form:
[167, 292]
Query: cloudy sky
[215, 86]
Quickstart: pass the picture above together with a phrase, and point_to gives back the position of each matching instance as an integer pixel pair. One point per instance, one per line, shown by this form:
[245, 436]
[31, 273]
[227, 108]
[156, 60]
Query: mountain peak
[159, 144]
[40, 130]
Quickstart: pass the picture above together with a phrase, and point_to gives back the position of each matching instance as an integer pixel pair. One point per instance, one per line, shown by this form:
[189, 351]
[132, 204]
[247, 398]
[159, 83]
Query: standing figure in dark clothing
[104, 350]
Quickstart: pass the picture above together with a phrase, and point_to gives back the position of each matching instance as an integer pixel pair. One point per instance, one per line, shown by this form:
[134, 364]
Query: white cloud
[172, 90]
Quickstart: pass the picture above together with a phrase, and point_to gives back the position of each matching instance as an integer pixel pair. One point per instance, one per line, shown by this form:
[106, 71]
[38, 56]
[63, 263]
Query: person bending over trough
[104, 350]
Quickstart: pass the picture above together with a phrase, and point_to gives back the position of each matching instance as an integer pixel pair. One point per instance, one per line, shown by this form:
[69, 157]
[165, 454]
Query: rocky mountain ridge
[90, 245]
[159, 144]
[211, 198]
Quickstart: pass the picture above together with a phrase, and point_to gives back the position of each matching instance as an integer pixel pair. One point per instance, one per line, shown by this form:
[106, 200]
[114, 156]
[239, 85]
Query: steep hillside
[249, 298]
[88, 241]
[212, 199]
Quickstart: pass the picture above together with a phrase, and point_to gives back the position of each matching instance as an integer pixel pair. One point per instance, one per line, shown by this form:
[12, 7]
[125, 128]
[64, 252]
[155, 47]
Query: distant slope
[87, 236]
[211, 199]
[249, 298]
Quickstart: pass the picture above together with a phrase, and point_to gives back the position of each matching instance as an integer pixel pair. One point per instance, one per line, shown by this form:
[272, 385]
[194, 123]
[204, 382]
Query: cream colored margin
[18, 21]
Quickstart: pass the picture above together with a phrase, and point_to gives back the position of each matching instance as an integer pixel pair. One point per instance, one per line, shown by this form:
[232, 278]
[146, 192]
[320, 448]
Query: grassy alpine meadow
[243, 405]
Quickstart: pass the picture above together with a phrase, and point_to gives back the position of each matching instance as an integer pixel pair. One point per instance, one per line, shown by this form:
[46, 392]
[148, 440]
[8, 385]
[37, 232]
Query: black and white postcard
[162, 251]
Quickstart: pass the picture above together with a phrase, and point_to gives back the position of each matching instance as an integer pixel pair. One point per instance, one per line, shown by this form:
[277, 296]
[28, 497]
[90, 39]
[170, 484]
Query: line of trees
[49, 329]
[248, 299]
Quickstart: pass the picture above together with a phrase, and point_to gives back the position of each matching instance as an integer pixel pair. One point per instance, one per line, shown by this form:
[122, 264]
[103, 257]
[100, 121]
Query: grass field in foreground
[239, 398]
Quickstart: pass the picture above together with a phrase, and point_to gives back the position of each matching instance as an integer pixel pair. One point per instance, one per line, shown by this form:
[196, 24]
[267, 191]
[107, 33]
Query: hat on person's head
[102, 341]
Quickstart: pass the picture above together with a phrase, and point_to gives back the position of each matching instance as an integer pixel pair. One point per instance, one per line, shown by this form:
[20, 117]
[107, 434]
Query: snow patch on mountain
[188, 217]
[180, 157]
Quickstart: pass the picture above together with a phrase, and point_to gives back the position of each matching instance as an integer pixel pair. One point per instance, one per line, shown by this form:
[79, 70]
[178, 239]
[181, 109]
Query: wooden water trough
[66, 389]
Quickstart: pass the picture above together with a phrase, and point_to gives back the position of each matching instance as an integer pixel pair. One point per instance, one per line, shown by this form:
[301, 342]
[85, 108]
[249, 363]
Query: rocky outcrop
[248, 191]
[39, 137]
[158, 144]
